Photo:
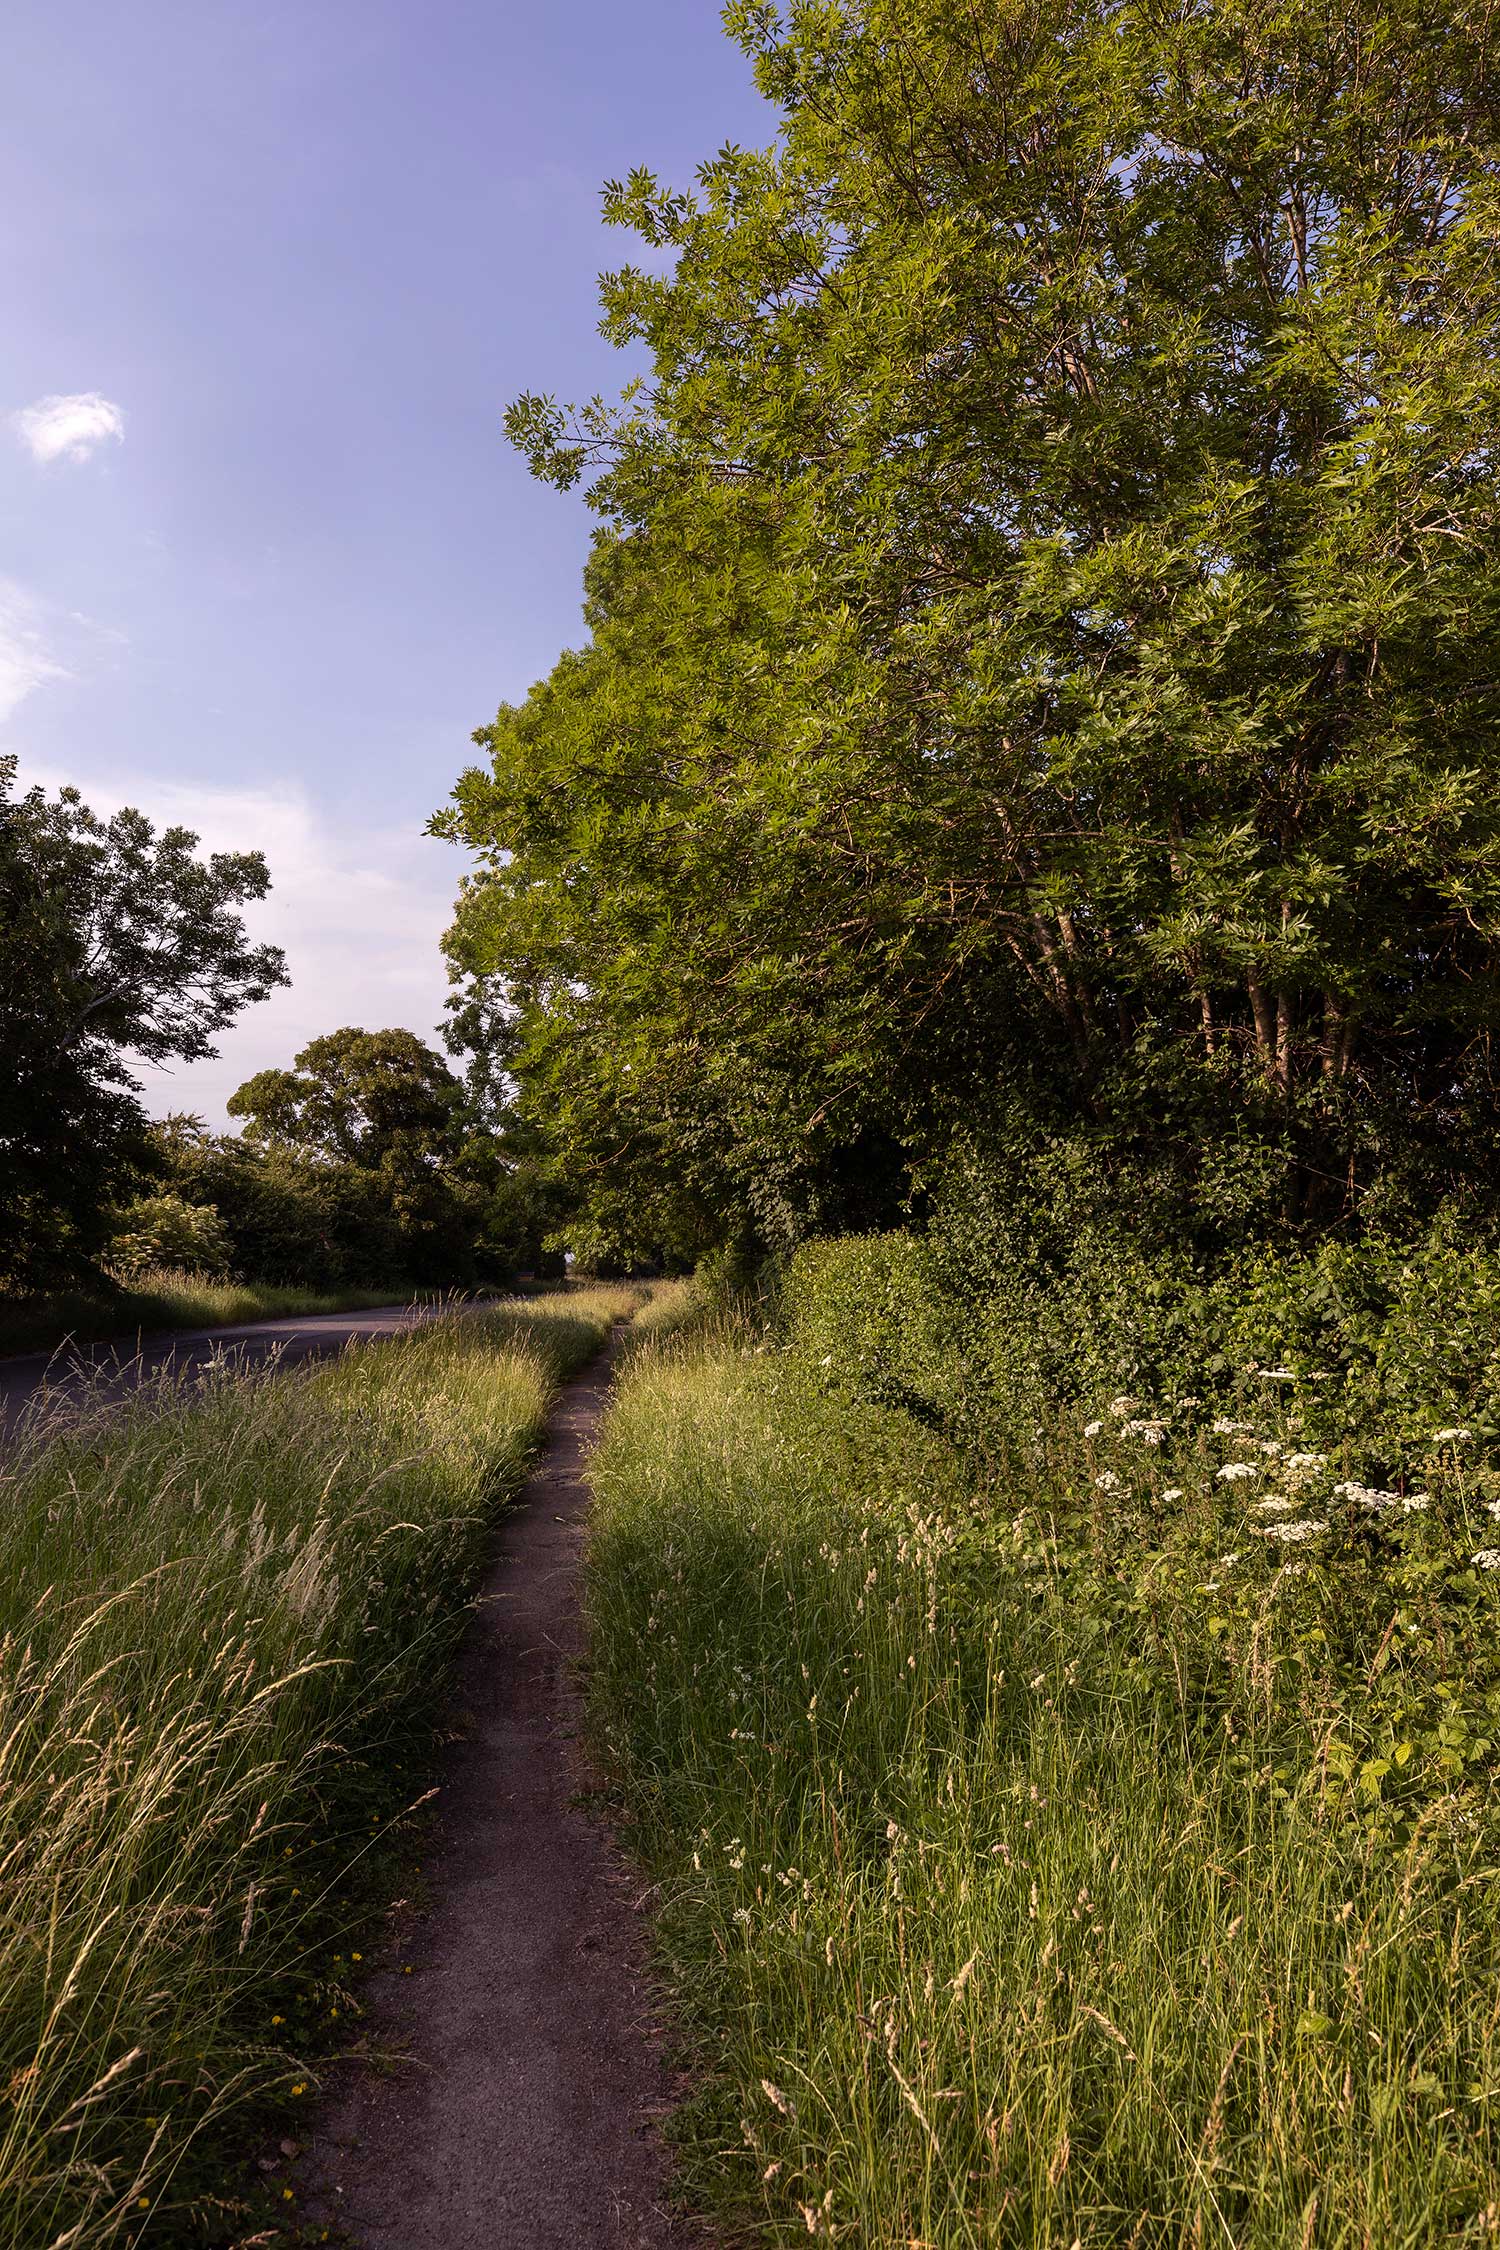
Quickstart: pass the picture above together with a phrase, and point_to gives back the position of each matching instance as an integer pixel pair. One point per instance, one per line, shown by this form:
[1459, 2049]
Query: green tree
[1045, 621]
[376, 1098]
[116, 944]
[383, 1117]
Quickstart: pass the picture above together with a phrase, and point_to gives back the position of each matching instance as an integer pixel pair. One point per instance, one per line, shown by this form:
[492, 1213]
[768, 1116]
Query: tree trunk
[1265, 1022]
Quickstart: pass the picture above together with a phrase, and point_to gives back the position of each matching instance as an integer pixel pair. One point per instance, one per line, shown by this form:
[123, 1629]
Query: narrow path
[41, 1380]
[524, 2119]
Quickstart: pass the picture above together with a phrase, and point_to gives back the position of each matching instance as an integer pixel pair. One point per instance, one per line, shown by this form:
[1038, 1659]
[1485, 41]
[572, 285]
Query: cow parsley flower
[1224, 1427]
[1235, 1472]
[1295, 1533]
[1174, 1492]
[1450, 1437]
[1107, 1481]
[1368, 1496]
[1488, 1558]
[1092, 1429]
[1304, 1464]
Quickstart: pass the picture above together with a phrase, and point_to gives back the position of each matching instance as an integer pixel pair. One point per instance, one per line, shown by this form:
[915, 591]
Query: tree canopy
[1044, 622]
[359, 1097]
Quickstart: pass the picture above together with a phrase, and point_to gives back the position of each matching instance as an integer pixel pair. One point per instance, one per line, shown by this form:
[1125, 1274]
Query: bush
[1001, 1316]
[163, 1230]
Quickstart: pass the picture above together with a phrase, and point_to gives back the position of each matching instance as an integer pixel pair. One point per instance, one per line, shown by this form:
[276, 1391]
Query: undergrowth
[1063, 1857]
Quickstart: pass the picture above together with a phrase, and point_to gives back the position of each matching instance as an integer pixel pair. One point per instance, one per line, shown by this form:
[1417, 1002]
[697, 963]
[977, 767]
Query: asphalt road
[50, 1380]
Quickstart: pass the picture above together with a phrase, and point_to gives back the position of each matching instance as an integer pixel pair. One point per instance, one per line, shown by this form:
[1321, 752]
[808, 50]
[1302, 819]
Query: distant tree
[358, 1097]
[385, 1117]
[116, 944]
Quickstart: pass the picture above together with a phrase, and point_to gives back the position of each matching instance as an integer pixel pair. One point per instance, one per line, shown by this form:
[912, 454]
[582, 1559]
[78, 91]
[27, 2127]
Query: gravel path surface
[524, 2118]
[42, 1380]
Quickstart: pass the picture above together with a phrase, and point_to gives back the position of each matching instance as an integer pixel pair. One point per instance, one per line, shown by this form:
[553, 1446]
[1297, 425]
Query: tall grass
[224, 1613]
[1001, 1915]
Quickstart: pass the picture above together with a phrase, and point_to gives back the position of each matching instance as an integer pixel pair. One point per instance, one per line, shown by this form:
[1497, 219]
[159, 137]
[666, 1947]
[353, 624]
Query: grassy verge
[163, 1298]
[224, 1616]
[1022, 1882]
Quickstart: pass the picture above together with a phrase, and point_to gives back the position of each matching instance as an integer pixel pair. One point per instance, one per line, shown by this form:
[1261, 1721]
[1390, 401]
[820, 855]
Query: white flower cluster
[1149, 1433]
[1235, 1472]
[1378, 1503]
[1488, 1558]
[1223, 1427]
[1449, 1437]
[1294, 1533]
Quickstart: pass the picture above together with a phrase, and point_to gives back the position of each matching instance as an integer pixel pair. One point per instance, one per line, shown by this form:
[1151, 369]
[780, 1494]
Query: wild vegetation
[1008, 892]
[1078, 1832]
[225, 1613]
[1042, 665]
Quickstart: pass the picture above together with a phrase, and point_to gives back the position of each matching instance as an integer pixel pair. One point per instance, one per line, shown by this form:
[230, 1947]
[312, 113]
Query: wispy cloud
[26, 659]
[68, 427]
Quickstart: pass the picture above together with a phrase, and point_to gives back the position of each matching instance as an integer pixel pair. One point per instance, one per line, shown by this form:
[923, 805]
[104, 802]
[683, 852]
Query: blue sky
[271, 274]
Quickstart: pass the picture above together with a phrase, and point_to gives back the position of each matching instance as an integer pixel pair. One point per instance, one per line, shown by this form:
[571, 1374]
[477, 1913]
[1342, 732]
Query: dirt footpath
[526, 2118]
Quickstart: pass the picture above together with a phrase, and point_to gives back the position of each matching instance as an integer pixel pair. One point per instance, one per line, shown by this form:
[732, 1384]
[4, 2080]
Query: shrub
[163, 1230]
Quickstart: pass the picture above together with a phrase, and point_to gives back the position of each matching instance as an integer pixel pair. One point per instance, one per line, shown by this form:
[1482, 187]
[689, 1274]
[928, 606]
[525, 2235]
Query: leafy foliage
[371, 1155]
[1043, 625]
[163, 1230]
[382, 1099]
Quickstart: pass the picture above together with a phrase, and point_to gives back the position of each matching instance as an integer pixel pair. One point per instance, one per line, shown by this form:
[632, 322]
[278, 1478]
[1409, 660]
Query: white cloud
[68, 428]
[26, 659]
[359, 912]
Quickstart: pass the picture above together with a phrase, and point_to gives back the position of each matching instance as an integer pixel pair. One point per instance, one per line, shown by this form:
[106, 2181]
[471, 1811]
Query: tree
[376, 1098]
[384, 1115]
[1045, 622]
[116, 943]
